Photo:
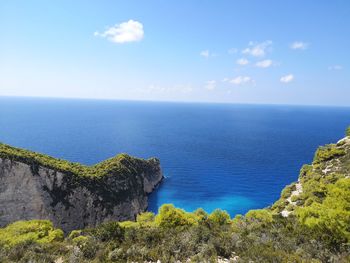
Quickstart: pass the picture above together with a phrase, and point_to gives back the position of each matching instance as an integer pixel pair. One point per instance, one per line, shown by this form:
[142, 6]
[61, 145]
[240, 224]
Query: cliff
[71, 195]
[309, 223]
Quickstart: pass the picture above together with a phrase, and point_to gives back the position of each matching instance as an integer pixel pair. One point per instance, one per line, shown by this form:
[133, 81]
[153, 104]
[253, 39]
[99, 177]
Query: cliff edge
[71, 195]
[331, 164]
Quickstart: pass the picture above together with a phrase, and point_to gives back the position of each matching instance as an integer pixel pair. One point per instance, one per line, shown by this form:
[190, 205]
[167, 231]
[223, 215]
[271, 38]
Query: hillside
[71, 195]
[309, 223]
[329, 169]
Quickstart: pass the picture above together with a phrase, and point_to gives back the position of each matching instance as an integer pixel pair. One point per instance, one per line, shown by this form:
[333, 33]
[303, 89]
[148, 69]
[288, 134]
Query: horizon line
[175, 101]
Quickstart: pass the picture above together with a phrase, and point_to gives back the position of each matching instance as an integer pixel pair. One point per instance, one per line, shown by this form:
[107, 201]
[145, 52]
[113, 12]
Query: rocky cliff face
[31, 188]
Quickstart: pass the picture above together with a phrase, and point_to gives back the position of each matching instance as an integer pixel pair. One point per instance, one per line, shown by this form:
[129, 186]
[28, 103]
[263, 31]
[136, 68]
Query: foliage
[122, 163]
[169, 216]
[145, 219]
[258, 236]
[348, 131]
[219, 217]
[74, 234]
[260, 216]
[108, 231]
[286, 192]
[325, 153]
[332, 215]
[34, 231]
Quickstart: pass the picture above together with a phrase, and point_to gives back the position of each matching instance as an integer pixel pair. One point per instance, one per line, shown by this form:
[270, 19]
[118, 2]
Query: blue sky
[284, 52]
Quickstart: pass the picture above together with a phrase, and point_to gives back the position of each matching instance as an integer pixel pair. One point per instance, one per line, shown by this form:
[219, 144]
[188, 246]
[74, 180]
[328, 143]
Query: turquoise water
[234, 157]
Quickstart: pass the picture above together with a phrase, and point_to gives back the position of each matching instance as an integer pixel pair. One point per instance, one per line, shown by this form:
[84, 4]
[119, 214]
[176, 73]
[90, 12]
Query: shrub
[80, 240]
[34, 231]
[169, 216]
[129, 224]
[87, 245]
[200, 215]
[279, 205]
[260, 216]
[305, 170]
[347, 131]
[219, 217]
[145, 219]
[287, 191]
[295, 198]
[328, 152]
[74, 234]
[109, 231]
[333, 214]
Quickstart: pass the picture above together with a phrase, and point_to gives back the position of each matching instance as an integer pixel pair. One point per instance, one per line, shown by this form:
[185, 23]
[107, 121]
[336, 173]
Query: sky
[271, 52]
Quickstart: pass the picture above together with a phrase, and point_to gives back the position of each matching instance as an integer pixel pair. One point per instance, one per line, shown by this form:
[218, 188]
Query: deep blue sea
[228, 156]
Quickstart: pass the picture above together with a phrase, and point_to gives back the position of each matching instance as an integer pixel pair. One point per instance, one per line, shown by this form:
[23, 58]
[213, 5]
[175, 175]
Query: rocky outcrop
[73, 196]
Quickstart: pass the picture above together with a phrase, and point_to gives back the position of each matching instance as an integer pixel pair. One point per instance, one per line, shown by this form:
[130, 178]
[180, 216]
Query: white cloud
[232, 50]
[154, 88]
[242, 61]
[264, 63]
[210, 85]
[257, 49]
[241, 80]
[172, 89]
[182, 88]
[207, 54]
[287, 78]
[130, 31]
[299, 45]
[335, 67]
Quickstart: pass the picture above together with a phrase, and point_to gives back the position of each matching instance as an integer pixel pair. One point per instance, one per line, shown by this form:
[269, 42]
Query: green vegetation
[120, 164]
[348, 131]
[327, 152]
[332, 215]
[316, 229]
[24, 232]
[260, 235]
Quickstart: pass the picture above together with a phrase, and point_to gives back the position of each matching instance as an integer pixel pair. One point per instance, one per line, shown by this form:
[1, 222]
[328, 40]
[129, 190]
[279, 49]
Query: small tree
[169, 216]
[219, 217]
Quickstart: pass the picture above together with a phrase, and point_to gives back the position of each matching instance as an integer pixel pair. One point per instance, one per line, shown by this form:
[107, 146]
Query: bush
[219, 217]
[305, 171]
[259, 216]
[74, 234]
[87, 245]
[145, 219]
[80, 240]
[347, 131]
[287, 191]
[333, 214]
[328, 152]
[108, 231]
[169, 216]
[200, 215]
[34, 231]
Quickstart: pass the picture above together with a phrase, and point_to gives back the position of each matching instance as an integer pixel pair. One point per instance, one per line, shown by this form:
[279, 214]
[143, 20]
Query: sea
[235, 157]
